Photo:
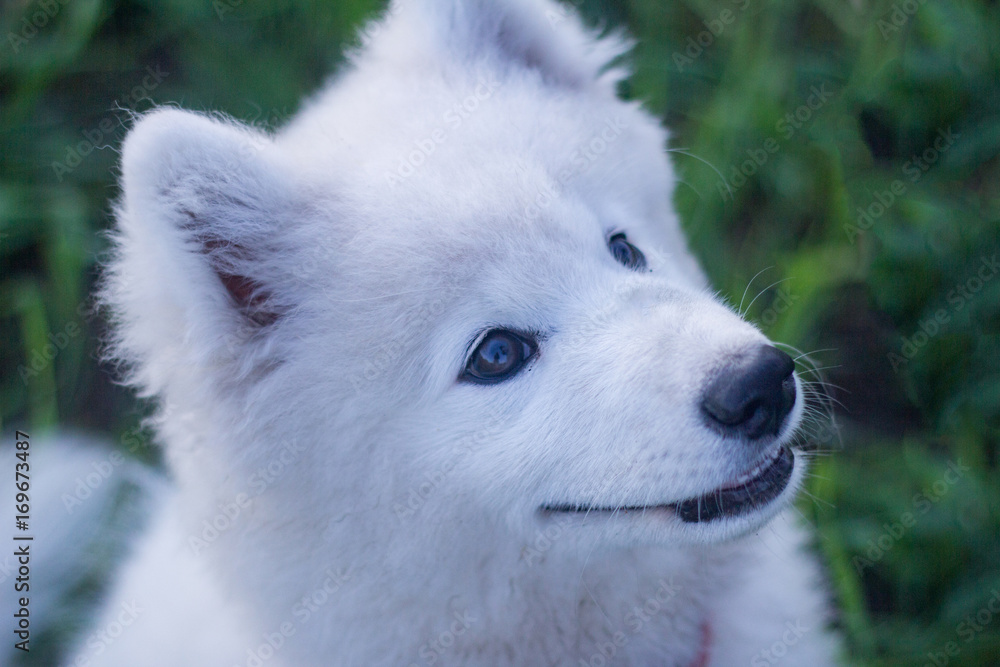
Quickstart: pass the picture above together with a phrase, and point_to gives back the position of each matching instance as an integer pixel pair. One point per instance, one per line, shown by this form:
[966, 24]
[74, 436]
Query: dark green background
[898, 74]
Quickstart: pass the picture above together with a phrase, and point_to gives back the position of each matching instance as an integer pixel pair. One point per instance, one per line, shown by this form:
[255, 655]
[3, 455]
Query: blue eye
[625, 253]
[498, 357]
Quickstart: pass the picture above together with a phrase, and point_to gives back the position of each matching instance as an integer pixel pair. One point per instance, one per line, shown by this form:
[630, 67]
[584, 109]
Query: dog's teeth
[759, 468]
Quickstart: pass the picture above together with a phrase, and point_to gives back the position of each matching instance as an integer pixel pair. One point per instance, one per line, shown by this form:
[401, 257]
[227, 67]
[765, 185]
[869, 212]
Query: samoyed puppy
[440, 383]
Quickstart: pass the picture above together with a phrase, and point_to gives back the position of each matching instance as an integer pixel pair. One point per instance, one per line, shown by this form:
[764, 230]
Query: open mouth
[752, 490]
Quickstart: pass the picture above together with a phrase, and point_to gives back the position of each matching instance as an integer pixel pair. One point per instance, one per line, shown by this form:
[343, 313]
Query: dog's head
[456, 282]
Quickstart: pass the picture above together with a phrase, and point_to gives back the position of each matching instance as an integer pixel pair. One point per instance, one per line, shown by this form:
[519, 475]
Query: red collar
[701, 660]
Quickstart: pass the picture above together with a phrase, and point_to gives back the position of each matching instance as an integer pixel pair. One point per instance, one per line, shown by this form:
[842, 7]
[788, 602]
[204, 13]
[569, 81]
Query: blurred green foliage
[847, 151]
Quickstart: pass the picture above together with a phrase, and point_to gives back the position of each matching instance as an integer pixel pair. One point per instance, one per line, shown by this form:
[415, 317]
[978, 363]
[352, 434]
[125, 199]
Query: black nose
[753, 398]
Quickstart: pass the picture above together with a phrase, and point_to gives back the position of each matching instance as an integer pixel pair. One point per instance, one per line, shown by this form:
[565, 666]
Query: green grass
[860, 291]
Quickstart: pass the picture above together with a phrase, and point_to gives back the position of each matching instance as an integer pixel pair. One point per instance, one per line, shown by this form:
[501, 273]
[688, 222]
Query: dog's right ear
[203, 229]
[541, 35]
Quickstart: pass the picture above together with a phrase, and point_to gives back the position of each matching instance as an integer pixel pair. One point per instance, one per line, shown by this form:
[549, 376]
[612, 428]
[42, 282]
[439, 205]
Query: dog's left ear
[205, 243]
[211, 194]
[540, 35]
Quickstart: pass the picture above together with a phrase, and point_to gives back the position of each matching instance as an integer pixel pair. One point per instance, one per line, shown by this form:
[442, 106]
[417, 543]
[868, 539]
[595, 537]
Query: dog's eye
[626, 253]
[501, 354]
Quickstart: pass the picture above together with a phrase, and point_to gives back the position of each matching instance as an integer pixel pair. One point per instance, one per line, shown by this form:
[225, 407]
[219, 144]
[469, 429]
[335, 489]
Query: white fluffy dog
[440, 382]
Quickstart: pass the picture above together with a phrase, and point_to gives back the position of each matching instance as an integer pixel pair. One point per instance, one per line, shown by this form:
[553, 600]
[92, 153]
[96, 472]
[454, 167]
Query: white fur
[378, 281]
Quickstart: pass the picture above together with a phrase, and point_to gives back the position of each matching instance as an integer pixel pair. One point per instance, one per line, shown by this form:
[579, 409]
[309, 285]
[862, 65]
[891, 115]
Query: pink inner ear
[249, 298]
[246, 293]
